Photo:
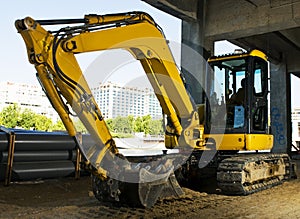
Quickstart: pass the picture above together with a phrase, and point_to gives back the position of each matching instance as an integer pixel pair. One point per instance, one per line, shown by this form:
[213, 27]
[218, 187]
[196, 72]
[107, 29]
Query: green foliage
[42, 123]
[10, 116]
[156, 127]
[138, 125]
[142, 124]
[121, 125]
[27, 119]
[109, 123]
[146, 124]
[122, 135]
[131, 122]
[58, 126]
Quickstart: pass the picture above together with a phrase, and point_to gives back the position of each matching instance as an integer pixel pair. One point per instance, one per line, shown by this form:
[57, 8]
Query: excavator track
[247, 174]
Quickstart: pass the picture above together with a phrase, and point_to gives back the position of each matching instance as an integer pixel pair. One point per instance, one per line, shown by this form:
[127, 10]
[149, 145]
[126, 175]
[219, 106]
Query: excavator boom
[53, 55]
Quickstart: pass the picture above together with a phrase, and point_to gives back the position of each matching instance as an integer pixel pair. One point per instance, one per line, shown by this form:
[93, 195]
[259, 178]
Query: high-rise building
[113, 100]
[26, 96]
[116, 100]
[296, 126]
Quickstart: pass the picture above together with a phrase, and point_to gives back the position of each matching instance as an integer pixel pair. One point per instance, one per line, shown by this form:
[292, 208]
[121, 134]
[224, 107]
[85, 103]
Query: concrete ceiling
[278, 45]
[270, 25]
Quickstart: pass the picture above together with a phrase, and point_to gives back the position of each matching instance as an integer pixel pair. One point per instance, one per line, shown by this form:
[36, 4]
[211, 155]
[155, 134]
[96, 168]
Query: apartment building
[26, 96]
[116, 100]
[296, 126]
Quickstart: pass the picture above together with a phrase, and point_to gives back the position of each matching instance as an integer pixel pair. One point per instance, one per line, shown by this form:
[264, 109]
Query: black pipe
[39, 154]
[61, 21]
[43, 142]
[3, 141]
[27, 156]
[38, 141]
[44, 170]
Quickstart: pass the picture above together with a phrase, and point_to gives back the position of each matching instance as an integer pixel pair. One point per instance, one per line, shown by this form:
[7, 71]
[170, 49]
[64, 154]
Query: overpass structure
[272, 26]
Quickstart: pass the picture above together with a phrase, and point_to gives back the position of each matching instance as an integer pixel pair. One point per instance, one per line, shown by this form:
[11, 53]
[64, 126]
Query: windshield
[227, 88]
[228, 77]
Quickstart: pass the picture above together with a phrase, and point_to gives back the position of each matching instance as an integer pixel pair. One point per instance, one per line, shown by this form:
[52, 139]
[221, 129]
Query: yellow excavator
[230, 119]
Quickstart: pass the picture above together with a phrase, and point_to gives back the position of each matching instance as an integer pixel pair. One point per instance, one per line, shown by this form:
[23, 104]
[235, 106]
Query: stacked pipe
[36, 154]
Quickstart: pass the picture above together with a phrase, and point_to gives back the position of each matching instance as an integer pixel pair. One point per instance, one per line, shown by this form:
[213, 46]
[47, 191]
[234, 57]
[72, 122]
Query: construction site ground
[70, 198]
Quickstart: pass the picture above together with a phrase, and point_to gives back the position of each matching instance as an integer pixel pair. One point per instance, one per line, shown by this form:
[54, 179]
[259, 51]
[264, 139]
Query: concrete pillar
[280, 108]
[192, 51]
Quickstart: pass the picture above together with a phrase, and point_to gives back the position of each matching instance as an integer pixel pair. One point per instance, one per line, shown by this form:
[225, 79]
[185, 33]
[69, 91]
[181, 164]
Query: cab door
[258, 96]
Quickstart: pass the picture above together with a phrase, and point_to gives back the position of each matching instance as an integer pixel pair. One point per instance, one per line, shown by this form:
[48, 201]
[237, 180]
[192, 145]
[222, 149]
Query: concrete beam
[277, 45]
[183, 9]
[233, 19]
[293, 35]
[296, 14]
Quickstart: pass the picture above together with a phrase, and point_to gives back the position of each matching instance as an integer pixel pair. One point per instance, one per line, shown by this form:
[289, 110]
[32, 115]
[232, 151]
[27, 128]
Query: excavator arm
[53, 55]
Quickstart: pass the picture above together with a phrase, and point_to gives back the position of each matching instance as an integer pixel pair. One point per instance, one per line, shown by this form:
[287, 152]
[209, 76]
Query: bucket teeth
[144, 193]
[163, 185]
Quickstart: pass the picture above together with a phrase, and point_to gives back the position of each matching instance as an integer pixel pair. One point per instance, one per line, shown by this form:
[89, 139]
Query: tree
[10, 116]
[109, 123]
[121, 125]
[146, 124]
[156, 127]
[130, 119]
[27, 119]
[42, 123]
[138, 125]
[58, 126]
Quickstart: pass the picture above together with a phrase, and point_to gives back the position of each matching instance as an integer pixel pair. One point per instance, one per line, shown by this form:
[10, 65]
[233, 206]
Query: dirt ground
[70, 198]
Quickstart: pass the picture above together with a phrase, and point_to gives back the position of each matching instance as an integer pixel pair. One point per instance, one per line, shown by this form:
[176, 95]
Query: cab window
[260, 74]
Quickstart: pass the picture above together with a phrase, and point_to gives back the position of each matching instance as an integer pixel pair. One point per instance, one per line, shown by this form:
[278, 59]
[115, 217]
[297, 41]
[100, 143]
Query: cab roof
[239, 54]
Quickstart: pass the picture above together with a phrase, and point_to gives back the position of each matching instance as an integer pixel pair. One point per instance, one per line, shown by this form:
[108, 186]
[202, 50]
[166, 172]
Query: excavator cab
[239, 84]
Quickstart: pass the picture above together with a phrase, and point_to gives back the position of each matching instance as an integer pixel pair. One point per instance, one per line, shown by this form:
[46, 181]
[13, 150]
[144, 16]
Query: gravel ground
[70, 198]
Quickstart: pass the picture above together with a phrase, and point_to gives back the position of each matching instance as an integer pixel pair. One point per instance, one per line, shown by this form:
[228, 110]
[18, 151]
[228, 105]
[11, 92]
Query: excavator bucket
[144, 189]
[164, 186]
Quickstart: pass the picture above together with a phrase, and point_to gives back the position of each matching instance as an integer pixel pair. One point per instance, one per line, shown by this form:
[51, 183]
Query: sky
[13, 57]
[14, 64]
